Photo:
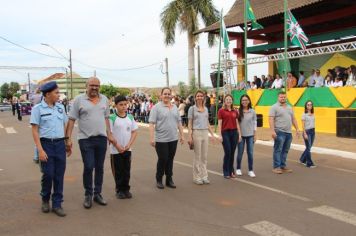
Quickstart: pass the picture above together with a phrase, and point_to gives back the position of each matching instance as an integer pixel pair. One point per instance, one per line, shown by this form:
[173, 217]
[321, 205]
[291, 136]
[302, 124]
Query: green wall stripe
[321, 97]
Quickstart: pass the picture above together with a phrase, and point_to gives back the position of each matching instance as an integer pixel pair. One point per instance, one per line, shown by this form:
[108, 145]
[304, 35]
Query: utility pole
[167, 75]
[29, 86]
[71, 73]
[67, 94]
[199, 81]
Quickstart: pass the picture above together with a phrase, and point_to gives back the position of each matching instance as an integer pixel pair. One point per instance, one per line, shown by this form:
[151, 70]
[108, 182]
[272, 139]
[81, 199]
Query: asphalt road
[320, 201]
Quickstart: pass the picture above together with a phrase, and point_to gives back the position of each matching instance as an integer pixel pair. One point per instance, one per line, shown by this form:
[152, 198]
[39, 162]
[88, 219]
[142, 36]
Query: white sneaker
[198, 182]
[251, 174]
[206, 181]
[238, 172]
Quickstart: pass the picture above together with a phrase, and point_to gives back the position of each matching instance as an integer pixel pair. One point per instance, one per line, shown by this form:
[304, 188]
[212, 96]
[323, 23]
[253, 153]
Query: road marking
[332, 168]
[1, 127]
[319, 150]
[265, 228]
[335, 214]
[304, 199]
[10, 130]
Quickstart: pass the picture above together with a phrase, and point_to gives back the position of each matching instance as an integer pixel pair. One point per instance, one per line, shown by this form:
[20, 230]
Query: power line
[28, 49]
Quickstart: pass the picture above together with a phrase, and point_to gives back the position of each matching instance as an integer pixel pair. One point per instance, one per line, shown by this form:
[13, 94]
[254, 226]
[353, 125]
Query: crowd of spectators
[337, 77]
[140, 106]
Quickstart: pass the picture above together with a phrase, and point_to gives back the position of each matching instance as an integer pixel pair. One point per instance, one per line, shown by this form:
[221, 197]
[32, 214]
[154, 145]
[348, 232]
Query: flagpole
[285, 43]
[218, 77]
[245, 40]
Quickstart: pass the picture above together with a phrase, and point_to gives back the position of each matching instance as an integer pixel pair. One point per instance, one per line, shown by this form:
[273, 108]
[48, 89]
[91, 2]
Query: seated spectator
[277, 83]
[257, 81]
[351, 71]
[253, 85]
[311, 81]
[338, 83]
[319, 80]
[291, 81]
[268, 82]
[301, 79]
[329, 81]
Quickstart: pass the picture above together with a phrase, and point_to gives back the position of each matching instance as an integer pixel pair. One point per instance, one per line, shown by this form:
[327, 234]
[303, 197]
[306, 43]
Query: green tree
[4, 90]
[182, 89]
[185, 14]
[124, 91]
[13, 88]
[108, 90]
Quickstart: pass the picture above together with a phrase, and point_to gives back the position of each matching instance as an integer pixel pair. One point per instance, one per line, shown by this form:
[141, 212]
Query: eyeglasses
[166, 94]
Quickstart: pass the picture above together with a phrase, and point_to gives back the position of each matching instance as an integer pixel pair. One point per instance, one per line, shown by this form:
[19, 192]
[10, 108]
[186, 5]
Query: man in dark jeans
[92, 112]
[281, 119]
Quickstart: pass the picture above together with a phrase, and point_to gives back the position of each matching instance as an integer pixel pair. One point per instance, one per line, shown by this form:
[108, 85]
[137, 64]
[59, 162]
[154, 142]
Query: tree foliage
[182, 89]
[109, 90]
[185, 15]
[8, 90]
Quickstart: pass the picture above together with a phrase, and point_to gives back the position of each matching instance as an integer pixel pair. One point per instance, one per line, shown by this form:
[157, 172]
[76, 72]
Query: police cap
[49, 87]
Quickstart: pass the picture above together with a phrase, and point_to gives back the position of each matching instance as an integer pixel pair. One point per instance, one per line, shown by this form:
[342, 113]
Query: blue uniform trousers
[53, 171]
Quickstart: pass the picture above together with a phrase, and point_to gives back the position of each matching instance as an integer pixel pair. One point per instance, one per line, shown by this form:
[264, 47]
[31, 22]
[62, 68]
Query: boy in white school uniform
[124, 131]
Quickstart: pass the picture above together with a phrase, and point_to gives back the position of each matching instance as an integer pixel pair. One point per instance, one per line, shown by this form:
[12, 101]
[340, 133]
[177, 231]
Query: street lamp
[70, 67]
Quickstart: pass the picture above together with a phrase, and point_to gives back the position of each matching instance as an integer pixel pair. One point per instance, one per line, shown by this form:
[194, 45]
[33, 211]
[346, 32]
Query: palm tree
[186, 14]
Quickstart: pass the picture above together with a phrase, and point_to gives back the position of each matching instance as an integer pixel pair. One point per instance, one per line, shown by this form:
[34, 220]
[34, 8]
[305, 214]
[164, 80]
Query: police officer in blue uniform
[48, 120]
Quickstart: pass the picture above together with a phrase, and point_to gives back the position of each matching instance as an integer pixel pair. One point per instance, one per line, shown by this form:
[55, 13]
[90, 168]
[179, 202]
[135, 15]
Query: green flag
[223, 34]
[295, 32]
[251, 16]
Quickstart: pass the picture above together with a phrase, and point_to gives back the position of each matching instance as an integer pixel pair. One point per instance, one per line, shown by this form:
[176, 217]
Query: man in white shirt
[319, 80]
[277, 83]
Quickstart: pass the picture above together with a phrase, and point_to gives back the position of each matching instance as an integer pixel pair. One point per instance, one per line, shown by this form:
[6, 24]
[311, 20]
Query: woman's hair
[305, 107]
[232, 105]
[195, 96]
[170, 90]
[241, 109]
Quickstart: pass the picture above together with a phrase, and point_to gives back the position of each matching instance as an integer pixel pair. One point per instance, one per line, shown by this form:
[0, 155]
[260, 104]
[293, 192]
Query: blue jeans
[281, 148]
[241, 146]
[306, 156]
[53, 172]
[229, 145]
[93, 151]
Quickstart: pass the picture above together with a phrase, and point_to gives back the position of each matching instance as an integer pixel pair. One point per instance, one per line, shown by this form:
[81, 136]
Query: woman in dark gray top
[308, 124]
[248, 125]
[164, 121]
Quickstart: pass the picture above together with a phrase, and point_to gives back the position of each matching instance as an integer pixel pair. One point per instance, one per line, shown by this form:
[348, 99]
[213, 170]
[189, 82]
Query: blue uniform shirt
[51, 120]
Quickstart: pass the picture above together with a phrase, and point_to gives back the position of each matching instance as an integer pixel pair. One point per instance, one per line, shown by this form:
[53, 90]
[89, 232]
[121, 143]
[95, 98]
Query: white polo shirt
[121, 128]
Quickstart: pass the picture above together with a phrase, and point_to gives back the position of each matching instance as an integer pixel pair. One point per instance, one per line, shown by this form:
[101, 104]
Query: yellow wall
[325, 118]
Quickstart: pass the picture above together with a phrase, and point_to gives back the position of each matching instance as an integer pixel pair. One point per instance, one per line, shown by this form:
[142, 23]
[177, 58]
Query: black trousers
[165, 152]
[121, 167]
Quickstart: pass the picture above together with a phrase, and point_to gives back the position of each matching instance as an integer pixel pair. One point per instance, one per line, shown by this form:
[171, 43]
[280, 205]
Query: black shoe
[120, 195]
[59, 212]
[128, 194]
[45, 207]
[99, 199]
[159, 185]
[36, 161]
[170, 184]
[88, 202]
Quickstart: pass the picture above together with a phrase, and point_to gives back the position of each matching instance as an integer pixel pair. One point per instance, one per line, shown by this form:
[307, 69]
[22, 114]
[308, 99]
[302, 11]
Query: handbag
[191, 144]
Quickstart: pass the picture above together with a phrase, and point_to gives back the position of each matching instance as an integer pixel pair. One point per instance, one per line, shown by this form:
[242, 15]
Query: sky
[113, 34]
